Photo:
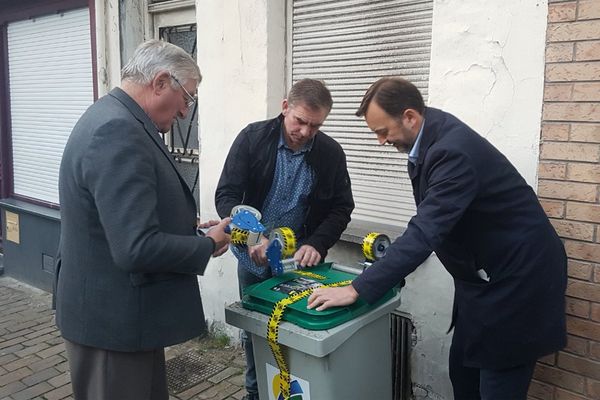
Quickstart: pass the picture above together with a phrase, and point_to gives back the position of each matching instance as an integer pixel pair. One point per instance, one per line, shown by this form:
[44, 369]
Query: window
[50, 86]
[349, 44]
[175, 22]
[182, 140]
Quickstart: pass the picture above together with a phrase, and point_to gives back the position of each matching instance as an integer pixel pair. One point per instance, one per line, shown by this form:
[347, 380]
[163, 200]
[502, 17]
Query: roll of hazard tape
[375, 245]
[288, 241]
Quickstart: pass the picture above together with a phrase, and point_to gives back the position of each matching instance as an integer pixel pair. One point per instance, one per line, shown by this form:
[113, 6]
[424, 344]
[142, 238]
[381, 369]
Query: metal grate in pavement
[189, 369]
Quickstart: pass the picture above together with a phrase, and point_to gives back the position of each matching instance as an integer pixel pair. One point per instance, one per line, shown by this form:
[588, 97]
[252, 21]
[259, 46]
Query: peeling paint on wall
[487, 68]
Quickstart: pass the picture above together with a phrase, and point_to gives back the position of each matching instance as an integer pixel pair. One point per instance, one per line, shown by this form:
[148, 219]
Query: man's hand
[258, 253]
[208, 224]
[217, 233]
[324, 298]
[307, 256]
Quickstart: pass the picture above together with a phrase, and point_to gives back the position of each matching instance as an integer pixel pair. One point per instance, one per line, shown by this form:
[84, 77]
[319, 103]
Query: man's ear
[284, 107]
[412, 120]
[412, 116]
[161, 82]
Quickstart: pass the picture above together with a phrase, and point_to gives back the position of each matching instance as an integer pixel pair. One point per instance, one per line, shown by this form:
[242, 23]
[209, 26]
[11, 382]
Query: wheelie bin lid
[263, 296]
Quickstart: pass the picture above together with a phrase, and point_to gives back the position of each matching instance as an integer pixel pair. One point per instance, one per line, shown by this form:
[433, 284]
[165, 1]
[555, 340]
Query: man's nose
[381, 139]
[305, 130]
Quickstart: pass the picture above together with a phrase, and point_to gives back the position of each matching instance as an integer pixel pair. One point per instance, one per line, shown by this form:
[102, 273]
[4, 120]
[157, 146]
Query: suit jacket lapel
[151, 131]
[430, 132]
[413, 170]
[413, 173]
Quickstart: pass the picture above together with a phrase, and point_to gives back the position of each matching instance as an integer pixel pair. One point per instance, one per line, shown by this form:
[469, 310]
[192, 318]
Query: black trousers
[487, 384]
[98, 374]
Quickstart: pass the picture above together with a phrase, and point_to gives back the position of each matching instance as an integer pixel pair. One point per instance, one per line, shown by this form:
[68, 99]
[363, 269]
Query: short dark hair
[394, 95]
[311, 92]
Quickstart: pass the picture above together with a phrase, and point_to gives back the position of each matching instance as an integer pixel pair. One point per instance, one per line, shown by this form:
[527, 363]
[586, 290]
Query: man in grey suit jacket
[129, 254]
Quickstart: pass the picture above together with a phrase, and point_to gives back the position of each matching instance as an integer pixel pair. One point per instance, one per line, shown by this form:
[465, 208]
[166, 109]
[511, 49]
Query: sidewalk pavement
[33, 362]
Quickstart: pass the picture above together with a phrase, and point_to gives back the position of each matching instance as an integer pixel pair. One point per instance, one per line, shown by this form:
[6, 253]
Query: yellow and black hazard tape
[308, 274]
[273, 331]
[288, 241]
[239, 237]
[374, 246]
[368, 246]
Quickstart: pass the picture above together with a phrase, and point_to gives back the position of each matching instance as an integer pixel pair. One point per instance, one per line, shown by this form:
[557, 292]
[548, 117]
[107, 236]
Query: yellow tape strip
[289, 241]
[273, 330]
[239, 237]
[368, 246]
[309, 274]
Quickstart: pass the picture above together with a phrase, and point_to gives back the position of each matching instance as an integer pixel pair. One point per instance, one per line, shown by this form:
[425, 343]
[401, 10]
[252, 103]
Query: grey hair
[155, 56]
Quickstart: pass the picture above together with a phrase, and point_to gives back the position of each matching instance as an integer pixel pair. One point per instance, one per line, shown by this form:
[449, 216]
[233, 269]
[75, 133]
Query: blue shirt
[287, 201]
[413, 155]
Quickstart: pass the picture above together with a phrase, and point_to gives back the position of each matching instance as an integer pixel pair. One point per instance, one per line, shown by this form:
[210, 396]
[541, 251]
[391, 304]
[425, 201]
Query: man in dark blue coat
[485, 224]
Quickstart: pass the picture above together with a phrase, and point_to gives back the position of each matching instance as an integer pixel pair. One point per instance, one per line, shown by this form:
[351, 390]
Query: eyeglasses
[191, 100]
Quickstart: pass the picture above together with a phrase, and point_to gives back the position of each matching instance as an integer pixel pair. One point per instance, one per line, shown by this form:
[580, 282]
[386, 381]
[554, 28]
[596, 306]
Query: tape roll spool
[241, 236]
[253, 238]
[243, 207]
[288, 241]
[375, 245]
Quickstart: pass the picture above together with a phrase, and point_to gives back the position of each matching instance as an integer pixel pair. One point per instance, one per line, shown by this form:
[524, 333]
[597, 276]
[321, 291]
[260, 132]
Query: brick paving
[33, 362]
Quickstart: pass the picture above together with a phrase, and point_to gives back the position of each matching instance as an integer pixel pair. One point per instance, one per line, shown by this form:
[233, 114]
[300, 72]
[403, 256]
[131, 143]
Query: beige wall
[241, 53]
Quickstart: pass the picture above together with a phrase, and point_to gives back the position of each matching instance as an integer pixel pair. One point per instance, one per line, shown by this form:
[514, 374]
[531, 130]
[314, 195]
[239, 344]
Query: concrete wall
[241, 53]
[486, 67]
[107, 45]
[132, 18]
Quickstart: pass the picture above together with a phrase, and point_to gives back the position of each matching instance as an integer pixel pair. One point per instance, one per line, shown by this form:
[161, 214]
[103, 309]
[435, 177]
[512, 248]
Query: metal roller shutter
[51, 85]
[349, 44]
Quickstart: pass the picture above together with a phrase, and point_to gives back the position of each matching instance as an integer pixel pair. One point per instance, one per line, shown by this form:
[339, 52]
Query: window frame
[17, 12]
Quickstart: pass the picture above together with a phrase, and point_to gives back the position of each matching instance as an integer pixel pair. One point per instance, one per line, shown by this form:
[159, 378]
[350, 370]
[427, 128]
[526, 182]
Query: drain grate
[189, 369]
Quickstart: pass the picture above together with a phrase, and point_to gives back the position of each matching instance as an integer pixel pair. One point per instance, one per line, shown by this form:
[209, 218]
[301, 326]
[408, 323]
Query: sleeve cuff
[214, 245]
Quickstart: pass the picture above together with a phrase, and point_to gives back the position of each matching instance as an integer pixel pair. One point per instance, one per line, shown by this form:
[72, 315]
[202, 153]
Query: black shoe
[251, 396]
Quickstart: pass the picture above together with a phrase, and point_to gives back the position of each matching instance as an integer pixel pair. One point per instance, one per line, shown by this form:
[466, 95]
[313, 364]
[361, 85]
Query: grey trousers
[98, 374]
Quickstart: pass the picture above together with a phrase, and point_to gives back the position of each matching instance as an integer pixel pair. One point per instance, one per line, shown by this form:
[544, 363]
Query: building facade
[525, 75]
[569, 178]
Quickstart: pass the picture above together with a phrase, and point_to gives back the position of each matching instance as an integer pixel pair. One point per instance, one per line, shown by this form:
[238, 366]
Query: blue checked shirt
[287, 201]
